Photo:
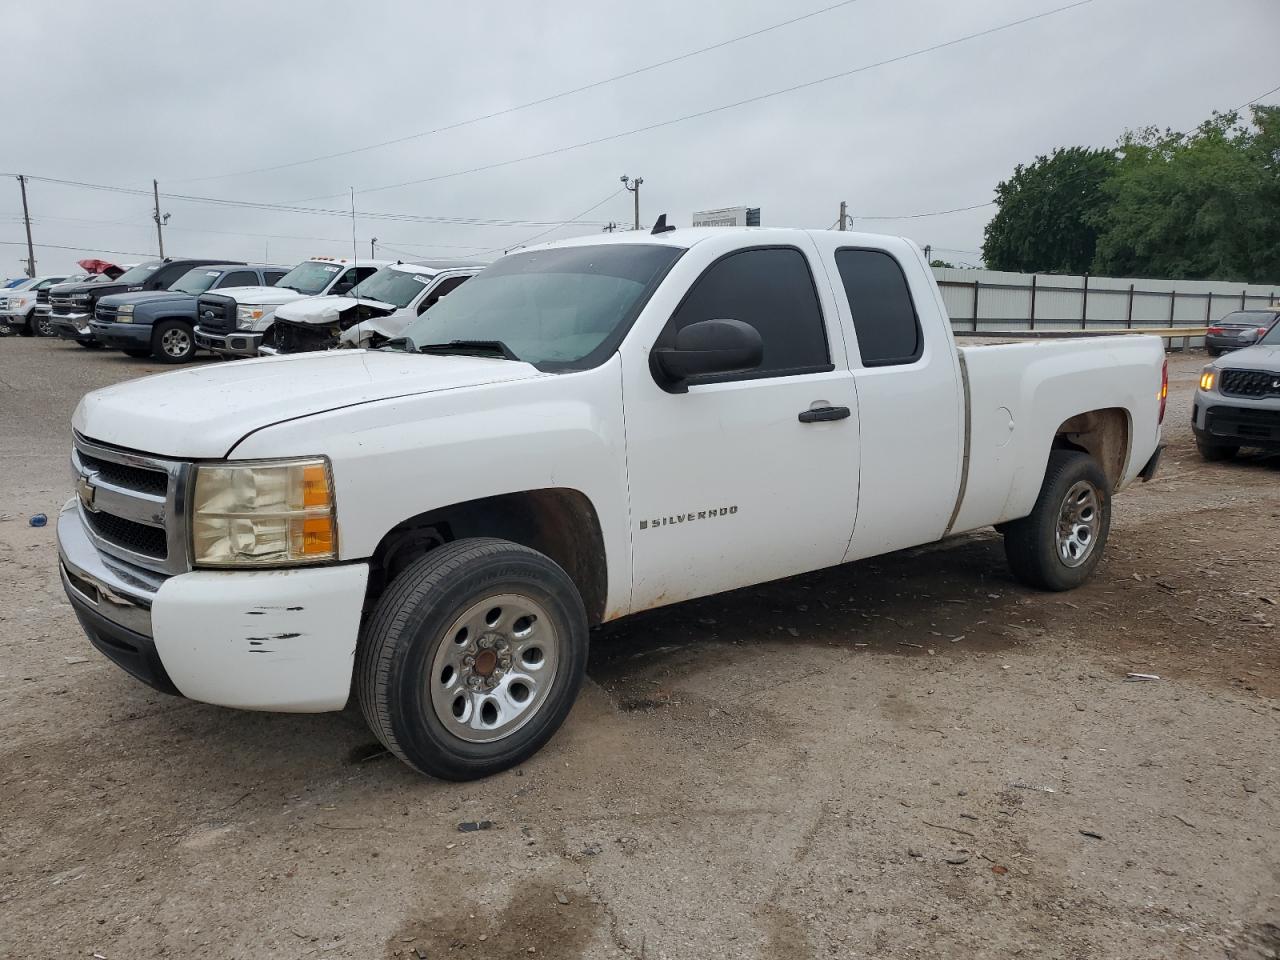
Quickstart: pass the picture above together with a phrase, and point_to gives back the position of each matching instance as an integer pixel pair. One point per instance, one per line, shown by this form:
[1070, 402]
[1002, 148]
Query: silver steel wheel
[175, 342]
[43, 325]
[494, 669]
[1078, 521]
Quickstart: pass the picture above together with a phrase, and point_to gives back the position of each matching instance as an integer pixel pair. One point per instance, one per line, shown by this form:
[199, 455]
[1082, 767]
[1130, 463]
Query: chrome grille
[133, 505]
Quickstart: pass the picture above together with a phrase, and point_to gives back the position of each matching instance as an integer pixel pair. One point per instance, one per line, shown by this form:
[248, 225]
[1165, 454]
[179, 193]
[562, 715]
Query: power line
[1248, 103]
[727, 106]
[55, 246]
[528, 240]
[931, 213]
[531, 103]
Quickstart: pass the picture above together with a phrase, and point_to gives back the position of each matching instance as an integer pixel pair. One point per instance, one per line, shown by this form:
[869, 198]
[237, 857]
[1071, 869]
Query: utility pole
[26, 218]
[160, 221]
[372, 241]
[928, 249]
[634, 187]
[609, 227]
[844, 213]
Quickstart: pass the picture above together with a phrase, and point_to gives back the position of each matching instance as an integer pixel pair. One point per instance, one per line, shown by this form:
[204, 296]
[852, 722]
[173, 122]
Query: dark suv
[72, 304]
[159, 323]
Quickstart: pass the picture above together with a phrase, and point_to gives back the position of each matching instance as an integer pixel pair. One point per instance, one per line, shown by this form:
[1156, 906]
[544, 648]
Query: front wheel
[472, 658]
[1059, 545]
[173, 342]
[42, 326]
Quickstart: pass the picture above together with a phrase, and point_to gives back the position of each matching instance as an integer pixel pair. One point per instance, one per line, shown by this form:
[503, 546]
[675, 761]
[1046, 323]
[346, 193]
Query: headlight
[249, 313]
[125, 310]
[20, 303]
[274, 513]
[1208, 377]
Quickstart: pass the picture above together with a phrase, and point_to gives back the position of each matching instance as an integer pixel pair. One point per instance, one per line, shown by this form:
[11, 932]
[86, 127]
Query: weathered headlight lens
[278, 513]
[247, 314]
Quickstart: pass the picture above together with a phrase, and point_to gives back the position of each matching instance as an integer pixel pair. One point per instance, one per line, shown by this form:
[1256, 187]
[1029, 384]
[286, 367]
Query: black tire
[90, 344]
[1216, 452]
[42, 328]
[138, 353]
[1213, 351]
[28, 329]
[1032, 545]
[401, 646]
[173, 341]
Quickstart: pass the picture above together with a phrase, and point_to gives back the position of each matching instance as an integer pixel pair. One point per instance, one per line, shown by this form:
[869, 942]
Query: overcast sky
[119, 93]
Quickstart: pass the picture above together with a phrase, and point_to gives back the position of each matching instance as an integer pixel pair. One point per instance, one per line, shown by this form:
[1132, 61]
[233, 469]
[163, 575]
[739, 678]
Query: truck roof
[687, 237]
[439, 265]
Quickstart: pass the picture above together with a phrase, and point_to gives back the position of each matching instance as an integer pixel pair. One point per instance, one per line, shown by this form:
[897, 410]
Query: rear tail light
[1215, 330]
[1164, 389]
[1262, 331]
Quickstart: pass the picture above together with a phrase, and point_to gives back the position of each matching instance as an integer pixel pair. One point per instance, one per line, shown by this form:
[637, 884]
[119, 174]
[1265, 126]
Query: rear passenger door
[910, 399]
[728, 485]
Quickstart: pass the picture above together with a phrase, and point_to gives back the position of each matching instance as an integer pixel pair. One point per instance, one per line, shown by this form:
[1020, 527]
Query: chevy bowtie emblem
[208, 314]
[1275, 384]
[86, 491]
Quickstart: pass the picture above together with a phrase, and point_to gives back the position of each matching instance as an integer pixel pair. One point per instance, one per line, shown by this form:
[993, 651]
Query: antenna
[661, 225]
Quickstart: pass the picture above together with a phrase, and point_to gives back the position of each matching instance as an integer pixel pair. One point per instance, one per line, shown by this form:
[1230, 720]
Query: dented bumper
[280, 640]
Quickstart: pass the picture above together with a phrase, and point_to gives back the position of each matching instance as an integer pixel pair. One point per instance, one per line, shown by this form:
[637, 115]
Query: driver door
[729, 486]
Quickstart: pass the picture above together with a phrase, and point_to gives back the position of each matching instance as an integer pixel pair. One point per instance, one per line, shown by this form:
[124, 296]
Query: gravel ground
[907, 757]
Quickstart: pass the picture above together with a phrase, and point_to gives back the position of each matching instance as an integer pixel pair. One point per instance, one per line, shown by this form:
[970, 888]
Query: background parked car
[1238, 401]
[377, 309]
[18, 307]
[233, 323]
[73, 304]
[1241, 328]
[161, 323]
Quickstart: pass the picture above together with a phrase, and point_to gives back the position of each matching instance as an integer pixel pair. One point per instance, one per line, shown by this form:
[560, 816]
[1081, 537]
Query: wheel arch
[560, 522]
[1105, 434]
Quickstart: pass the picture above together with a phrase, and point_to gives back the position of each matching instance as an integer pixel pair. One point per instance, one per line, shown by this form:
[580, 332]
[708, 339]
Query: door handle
[822, 414]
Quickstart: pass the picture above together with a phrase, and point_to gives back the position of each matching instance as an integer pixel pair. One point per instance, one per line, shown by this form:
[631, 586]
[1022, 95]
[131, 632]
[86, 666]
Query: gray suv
[1238, 401]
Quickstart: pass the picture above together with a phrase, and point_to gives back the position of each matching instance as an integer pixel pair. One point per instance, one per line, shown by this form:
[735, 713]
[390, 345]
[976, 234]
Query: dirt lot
[909, 757]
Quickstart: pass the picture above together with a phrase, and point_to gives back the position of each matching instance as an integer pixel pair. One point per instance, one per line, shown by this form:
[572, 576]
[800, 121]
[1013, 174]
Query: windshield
[392, 285]
[310, 277]
[140, 273]
[23, 285]
[551, 306]
[1272, 339]
[195, 282]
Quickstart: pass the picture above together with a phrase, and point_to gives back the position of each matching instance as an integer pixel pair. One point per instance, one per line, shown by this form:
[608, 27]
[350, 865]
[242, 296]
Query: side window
[443, 289]
[771, 289]
[238, 278]
[884, 317]
[161, 279]
[362, 273]
[271, 277]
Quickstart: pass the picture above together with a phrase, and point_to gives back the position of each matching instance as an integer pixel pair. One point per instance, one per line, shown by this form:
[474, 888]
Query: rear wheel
[1213, 351]
[472, 658]
[173, 341]
[1059, 545]
[1216, 452]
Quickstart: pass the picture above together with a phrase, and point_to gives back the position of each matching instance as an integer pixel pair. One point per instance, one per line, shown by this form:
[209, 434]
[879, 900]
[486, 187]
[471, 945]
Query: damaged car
[374, 311]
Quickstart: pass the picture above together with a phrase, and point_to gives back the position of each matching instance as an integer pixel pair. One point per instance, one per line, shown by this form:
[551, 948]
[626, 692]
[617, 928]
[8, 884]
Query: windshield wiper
[476, 348]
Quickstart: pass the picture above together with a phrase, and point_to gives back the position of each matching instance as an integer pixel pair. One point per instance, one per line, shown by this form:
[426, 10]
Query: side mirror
[706, 347]
[341, 289]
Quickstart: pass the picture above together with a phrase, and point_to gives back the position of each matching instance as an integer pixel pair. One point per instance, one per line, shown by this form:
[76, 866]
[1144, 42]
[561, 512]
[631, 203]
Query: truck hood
[1251, 358]
[323, 310]
[258, 294]
[203, 412]
[144, 296]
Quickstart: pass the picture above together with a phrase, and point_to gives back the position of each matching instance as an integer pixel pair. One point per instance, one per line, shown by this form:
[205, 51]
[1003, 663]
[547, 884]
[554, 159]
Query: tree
[940, 263]
[1044, 223]
[1203, 205]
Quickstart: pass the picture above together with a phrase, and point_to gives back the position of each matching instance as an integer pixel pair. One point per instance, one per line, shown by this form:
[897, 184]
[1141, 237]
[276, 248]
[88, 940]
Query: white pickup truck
[583, 431]
[375, 310]
[233, 322]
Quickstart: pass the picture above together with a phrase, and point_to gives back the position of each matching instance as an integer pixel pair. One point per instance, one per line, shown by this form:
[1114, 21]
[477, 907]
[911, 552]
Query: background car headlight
[277, 513]
[125, 308]
[249, 313]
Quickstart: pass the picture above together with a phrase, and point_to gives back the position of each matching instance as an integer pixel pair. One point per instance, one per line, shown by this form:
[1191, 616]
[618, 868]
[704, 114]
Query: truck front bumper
[1236, 421]
[72, 326]
[242, 343]
[255, 639]
[14, 321]
[123, 336]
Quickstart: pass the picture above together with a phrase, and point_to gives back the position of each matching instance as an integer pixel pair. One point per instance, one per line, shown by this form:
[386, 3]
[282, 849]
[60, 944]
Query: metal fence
[991, 300]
